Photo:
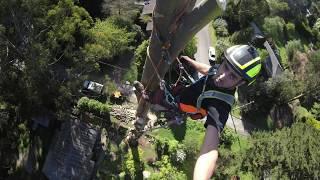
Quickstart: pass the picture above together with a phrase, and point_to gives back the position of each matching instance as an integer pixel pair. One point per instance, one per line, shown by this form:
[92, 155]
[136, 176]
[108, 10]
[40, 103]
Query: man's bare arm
[200, 67]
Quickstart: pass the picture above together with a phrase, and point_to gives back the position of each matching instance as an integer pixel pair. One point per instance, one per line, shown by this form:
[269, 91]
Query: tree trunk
[175, 23]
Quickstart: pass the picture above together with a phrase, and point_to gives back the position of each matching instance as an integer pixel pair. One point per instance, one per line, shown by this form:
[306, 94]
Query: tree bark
[176, 22]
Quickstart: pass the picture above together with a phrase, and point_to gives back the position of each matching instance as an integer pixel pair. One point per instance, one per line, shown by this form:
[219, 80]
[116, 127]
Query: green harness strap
[227, 98]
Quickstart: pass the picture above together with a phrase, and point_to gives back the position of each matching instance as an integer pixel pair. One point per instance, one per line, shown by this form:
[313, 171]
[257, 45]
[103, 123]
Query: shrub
[242, 36]
[274, 27]
[97, 108]
[222, 44]
[171, 148]
[132, 74]
[291, 30]
[221, 27]
[167, 171]
[140, 57]
[316, 110]
[191, 48]
[132, 165]
[228, 136]
[293, 46]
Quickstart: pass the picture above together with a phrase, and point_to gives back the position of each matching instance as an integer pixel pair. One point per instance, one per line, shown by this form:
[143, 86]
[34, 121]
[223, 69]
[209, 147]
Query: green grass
[190, 128]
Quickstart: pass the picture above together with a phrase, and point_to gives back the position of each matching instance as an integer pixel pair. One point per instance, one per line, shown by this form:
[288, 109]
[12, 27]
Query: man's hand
[198, 66]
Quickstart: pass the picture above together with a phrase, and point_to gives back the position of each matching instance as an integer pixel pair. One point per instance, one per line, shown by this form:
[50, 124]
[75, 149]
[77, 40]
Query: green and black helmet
[245, 61]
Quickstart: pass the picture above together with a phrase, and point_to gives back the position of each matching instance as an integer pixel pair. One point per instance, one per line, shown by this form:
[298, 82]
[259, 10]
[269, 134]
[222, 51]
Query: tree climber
[213, 96]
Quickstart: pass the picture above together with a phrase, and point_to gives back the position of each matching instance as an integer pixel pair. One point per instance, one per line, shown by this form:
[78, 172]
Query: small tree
[274, 27]
[107, 41]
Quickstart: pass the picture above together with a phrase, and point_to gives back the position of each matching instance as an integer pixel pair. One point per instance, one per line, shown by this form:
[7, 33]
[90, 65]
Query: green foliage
[291, 153]
[315, 59]
[242, 36]
[252, 10]
[191, 48]
[274, 27]
[292, 47]
[316, 30]
[228, 137]
[167, 171]
[90, 105]
[107, 41]
[303, 29]
[171, 148]
[229, 164]
[140, 56]
[291, 31]
[303, 115]
[124, 23]
[221, 27]
[67, 22]
[282, 88]
[277, 7]
[132, 166]
[132, 74]
[184, 151]
[222, 45]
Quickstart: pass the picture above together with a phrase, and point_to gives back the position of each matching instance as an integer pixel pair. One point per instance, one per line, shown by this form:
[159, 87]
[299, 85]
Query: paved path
[242, 127]
[203, 43]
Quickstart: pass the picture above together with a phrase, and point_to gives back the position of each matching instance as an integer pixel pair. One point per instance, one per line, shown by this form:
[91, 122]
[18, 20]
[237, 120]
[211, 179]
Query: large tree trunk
[176, 22]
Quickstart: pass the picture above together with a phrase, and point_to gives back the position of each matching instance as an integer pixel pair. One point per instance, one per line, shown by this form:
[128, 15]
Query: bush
[316, 110]
[191, 48]
[228, 136]
[303, 115]
[283, 87]
[291, 31]
[242, 36]
[316, 30]
[140, 57]
[167, 171]
[274, 27]
[132, 74]
[221, 27]
[132, 165]
[171, 148]
[97, 108]
[293, 46]
[107, 40]
[222, 44]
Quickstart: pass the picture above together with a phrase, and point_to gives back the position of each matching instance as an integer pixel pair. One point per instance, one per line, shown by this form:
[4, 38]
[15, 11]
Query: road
[203, 43]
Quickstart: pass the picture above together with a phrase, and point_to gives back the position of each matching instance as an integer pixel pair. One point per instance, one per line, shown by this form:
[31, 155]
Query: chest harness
[197, 112]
